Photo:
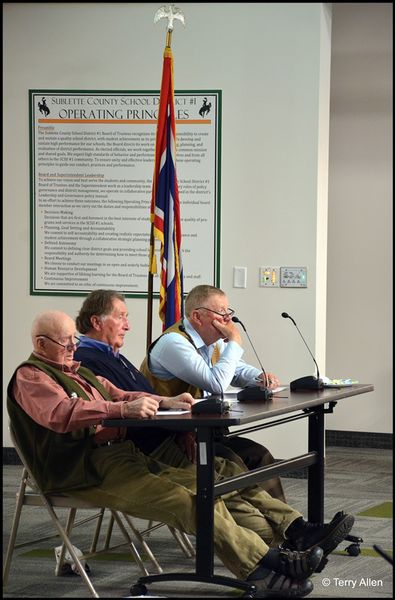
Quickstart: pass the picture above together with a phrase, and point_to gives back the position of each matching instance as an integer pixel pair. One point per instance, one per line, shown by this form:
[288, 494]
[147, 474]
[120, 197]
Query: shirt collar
[88, 342]
[197, 340]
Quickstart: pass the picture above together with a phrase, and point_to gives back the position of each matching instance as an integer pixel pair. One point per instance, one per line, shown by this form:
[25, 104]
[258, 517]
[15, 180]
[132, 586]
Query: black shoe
[327, 537]
[299, 565]
[275, 585]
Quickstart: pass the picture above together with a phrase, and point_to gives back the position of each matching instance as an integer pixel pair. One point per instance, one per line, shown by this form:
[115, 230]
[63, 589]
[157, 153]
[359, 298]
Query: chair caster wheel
[138, 589]
[353, 550]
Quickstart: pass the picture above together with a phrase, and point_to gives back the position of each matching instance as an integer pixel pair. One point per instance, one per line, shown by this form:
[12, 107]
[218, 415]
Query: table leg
[316, 472]
[205, 502]
[204, 571]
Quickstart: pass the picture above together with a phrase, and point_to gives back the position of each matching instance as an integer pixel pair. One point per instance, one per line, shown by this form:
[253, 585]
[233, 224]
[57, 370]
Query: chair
[29, 494]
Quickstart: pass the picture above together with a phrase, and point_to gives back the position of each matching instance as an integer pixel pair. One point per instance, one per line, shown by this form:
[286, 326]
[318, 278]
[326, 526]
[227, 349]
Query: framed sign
[91, 168]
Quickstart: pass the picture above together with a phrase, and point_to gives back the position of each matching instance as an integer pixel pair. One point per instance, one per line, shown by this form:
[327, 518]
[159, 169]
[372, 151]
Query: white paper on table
[174, 411]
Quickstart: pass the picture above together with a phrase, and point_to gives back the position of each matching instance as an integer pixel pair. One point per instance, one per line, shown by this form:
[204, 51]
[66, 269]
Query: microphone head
[307, 382]
[237, 320]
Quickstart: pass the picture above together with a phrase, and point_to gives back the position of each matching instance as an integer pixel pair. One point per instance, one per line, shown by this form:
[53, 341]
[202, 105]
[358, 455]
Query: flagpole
[152, 246]
[168, 38]
[150, 294]
[171, 13]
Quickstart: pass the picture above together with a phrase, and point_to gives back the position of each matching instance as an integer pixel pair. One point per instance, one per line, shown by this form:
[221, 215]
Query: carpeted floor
[357, 481]
[382, 511]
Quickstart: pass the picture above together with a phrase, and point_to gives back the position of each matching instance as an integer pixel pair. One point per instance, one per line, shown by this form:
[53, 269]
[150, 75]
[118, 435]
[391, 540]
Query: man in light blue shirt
[172, 356]
[202, 354]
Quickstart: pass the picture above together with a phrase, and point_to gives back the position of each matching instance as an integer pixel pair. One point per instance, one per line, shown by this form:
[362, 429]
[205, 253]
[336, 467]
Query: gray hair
[99, 303]
[198, 296]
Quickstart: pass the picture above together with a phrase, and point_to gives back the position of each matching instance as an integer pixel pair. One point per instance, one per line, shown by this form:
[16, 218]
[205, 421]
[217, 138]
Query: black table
[286, 406]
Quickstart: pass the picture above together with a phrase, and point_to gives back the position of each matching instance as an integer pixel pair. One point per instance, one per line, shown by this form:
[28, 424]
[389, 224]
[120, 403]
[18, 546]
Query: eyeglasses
[65, 346]
[229, 314]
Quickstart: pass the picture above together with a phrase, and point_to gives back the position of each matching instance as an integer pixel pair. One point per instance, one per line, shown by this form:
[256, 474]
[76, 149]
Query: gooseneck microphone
[237, 320]
[253, 392]
[310, 382]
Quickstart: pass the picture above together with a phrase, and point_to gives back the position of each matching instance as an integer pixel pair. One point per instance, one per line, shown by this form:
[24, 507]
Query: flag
[165, 204]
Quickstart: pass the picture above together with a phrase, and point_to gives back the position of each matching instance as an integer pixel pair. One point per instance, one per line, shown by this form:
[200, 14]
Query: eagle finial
[171, 12]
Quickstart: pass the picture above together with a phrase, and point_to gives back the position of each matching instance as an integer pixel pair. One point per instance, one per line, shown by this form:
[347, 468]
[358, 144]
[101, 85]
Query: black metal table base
[247, 586]
[208, 427]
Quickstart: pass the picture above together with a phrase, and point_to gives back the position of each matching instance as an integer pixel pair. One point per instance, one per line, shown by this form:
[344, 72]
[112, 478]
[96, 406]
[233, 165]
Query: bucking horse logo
[43, 108]
[205, 109]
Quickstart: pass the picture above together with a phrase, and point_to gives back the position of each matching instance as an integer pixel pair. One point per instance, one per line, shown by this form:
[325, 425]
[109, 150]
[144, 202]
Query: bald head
[52, 323]
[51, 332]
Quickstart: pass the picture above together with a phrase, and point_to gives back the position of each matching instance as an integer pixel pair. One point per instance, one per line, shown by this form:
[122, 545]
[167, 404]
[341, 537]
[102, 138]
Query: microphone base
[212, 405]
[254, 393]
[306, 384]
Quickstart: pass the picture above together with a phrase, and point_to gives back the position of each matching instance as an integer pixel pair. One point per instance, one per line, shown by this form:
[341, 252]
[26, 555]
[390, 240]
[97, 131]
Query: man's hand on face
[228, 330]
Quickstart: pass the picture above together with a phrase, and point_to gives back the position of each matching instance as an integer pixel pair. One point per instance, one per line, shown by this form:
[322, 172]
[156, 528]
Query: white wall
[359, 324]
[272, 57]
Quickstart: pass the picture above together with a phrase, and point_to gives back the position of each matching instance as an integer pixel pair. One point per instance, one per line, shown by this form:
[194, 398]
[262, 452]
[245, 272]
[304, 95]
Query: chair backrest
[32, 481]
[56, 499]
